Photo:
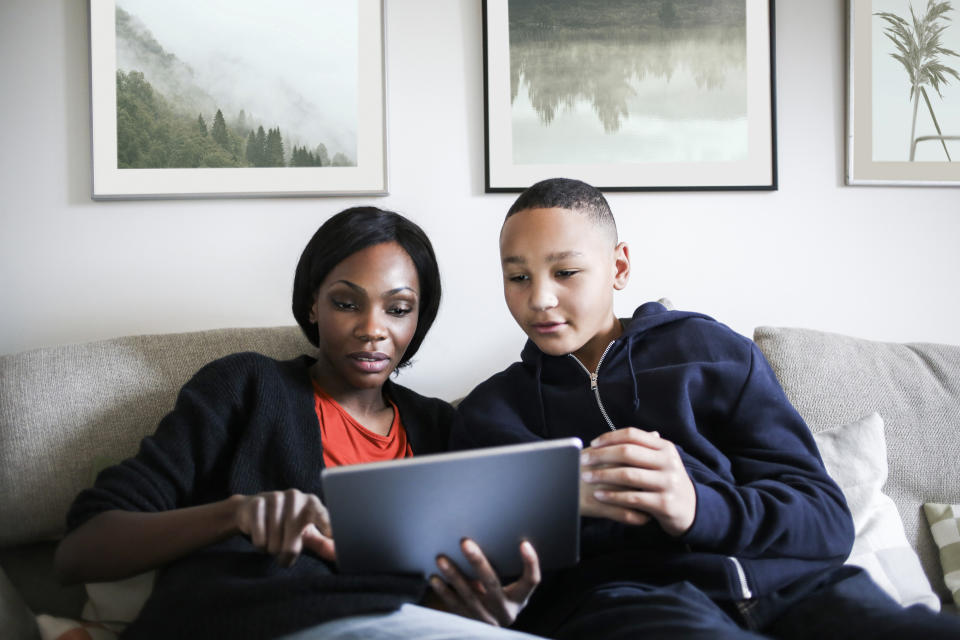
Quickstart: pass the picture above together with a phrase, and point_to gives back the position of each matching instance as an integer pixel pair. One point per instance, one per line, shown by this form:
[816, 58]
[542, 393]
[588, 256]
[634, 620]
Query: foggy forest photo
[236, 83]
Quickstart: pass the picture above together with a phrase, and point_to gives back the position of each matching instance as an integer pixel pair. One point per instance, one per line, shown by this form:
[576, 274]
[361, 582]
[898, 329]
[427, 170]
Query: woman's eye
[399, 311]
[344, 306]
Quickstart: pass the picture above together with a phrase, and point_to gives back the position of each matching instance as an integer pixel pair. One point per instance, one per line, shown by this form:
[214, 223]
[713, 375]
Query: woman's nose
[370, 328]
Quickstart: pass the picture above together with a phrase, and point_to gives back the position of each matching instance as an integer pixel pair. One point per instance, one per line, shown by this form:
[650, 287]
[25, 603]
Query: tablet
[397, 516]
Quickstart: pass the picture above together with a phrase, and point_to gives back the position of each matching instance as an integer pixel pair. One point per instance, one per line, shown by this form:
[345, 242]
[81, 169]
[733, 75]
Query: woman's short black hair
[353, 230]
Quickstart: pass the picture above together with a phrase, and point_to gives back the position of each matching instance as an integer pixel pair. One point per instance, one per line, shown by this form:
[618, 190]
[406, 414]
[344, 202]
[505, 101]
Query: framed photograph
[903, 92]
[227, 98]
[630, 95]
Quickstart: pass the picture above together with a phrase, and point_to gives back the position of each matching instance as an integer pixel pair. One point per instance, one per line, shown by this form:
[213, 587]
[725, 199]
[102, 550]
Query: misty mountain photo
[236, 83]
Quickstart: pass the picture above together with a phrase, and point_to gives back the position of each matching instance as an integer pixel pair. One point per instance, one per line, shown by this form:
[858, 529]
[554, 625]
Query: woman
[225, 496]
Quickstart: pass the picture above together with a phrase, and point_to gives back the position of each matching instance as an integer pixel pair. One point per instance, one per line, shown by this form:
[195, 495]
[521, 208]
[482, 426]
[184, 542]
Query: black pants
[844, 603]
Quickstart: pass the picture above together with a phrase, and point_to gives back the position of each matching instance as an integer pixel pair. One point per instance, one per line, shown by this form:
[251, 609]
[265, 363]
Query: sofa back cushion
[833, 379]
[68, 411]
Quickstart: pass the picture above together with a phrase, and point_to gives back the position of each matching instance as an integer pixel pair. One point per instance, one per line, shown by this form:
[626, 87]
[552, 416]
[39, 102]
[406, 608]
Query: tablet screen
[397, 516]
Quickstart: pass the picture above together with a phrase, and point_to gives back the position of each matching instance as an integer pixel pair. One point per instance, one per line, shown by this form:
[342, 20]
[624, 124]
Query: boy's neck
[589, 354]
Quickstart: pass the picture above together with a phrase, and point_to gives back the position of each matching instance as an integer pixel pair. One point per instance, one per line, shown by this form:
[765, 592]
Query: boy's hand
[283, 523]
[630, 475]
[485, 598]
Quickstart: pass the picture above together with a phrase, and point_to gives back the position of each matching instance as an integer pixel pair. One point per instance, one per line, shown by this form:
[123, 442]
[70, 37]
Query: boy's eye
[566, 273]
[520, 277]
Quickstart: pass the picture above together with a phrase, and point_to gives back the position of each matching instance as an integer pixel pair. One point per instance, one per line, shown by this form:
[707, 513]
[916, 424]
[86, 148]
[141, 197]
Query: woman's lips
[370, 362]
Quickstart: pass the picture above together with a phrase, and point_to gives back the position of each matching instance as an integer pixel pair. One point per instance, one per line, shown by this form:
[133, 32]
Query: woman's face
[366, 311]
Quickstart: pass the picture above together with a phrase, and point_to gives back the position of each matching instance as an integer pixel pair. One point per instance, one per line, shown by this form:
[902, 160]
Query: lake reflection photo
[628, 81]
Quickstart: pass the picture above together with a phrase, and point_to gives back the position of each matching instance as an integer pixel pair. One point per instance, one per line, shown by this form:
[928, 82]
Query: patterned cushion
[944, 522]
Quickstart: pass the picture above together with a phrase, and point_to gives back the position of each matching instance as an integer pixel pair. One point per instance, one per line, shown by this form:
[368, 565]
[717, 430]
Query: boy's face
[559, 274]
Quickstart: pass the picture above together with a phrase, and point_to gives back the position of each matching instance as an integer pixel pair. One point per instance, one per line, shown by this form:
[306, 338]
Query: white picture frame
[881, 117]
[367, 175]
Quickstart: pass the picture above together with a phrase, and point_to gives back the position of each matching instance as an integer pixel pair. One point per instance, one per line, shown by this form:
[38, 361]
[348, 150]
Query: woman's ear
[313, 310]
[621, 264]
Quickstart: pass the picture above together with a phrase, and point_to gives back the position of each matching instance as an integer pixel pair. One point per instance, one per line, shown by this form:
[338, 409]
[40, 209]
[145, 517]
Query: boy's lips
[548, 327]
[370, 361]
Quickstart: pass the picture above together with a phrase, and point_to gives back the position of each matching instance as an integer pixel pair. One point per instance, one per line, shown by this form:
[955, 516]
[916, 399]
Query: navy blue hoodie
[767, 512]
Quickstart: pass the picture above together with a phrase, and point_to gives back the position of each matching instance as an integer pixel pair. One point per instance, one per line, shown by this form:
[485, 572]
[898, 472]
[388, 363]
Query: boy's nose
[542, 298]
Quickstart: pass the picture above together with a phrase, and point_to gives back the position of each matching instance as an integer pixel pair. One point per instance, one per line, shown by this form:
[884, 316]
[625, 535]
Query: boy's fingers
[625, 435]
[598, 509]
[629, 477]
[619, 455]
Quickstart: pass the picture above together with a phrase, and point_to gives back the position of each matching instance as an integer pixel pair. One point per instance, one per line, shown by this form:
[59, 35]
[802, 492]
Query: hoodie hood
[646, 317]
[567, 371]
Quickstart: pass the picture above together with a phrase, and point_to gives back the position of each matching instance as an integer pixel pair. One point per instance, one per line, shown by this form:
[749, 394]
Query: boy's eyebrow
[551, 257]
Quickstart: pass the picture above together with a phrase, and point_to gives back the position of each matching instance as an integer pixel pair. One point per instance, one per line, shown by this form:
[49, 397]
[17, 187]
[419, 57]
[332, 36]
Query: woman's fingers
[468, 600]
[519, 592]
[283, 523]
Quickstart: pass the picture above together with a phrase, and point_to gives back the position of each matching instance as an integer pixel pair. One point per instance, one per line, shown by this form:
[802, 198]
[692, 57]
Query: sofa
[886, 417]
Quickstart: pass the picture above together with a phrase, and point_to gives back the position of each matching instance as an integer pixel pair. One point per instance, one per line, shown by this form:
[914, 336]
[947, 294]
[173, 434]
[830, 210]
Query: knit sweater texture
[767, 513]
[245, 424]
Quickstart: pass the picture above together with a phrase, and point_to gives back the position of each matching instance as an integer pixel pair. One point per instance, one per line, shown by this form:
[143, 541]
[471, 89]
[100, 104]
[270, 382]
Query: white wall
[874, 262]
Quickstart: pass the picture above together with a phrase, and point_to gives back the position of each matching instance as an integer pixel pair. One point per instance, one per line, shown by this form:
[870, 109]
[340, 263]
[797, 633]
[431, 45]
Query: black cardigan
[244, 424]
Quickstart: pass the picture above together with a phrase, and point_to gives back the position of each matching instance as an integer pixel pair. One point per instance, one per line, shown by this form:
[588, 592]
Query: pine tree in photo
[323, 159]
[261, 147]
[274, 149]
[202, 125]
[253, 151]
[219, 132]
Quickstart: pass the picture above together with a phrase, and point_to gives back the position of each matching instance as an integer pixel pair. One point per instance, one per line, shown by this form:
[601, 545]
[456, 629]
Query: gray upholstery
[833, 379]
[65, 412]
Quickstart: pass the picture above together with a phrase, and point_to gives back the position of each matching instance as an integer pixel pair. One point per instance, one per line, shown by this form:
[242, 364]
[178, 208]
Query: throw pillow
[855, 456]
[944, 522]
[52, 628]
[110, 607]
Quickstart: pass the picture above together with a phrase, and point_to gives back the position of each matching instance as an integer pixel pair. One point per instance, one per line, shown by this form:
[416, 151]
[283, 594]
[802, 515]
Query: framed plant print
[903, 93]
[630, 95]
[231, 98]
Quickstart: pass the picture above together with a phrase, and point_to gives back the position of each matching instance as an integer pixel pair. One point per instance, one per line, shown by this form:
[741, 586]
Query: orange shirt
[346, 441]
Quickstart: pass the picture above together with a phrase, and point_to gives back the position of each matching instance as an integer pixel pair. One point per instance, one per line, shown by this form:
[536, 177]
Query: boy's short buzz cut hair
[566, 193]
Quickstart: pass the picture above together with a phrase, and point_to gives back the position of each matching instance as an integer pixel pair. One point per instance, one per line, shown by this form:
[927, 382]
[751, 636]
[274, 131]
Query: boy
[706, 509]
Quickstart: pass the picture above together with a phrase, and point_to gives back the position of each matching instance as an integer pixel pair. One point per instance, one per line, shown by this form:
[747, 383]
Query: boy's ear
[621, 263]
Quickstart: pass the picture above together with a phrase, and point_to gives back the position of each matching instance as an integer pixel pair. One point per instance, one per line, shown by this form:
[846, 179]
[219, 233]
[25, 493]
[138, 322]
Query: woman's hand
[284, 523]
[630, 475]
[485, 598]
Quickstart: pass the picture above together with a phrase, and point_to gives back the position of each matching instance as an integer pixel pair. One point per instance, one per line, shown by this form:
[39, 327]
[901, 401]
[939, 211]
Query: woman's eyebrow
[352, 285]
[394, 292]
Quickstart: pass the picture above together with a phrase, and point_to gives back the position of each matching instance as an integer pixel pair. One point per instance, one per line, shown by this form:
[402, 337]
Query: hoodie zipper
[595, 385]
[742, 577]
